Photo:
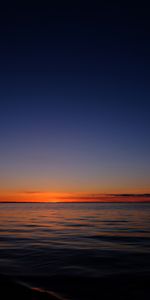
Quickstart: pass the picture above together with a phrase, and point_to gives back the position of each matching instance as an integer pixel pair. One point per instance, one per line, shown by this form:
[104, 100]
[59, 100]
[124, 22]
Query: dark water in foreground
[74, 240]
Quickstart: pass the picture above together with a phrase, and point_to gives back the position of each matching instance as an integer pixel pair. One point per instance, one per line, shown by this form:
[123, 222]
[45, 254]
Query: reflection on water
[92, 239]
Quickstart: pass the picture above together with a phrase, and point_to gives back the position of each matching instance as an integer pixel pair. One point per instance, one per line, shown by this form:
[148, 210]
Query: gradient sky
[74, 100]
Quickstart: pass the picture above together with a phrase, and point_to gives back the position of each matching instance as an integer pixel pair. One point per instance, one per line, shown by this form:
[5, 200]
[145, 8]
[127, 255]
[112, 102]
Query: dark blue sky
[74, 97]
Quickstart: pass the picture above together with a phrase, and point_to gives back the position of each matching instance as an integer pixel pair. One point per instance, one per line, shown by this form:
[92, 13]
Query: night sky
[74, 98]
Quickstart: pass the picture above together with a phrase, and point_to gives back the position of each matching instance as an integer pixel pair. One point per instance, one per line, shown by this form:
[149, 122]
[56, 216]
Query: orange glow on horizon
[37, 196]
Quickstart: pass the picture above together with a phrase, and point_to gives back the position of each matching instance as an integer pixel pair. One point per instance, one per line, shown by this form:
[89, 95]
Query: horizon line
[54, 202]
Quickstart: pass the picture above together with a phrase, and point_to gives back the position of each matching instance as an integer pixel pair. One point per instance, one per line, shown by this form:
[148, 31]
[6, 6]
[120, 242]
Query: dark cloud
[131, 195]
[31, 192]
[105, 197]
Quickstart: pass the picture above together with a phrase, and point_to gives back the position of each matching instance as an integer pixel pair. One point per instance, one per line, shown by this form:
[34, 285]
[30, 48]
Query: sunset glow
[31, 196]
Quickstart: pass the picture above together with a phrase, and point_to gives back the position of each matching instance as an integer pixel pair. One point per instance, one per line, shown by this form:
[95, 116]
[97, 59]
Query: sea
[57, 245]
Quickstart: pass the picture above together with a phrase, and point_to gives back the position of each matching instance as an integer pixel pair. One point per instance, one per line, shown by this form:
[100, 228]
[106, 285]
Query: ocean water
[74, 240]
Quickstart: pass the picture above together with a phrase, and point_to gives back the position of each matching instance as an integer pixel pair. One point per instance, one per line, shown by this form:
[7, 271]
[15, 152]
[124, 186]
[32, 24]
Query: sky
[74, 101]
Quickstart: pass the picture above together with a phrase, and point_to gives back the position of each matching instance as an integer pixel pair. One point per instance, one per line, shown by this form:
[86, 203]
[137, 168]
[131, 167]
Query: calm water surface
[79, 239]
